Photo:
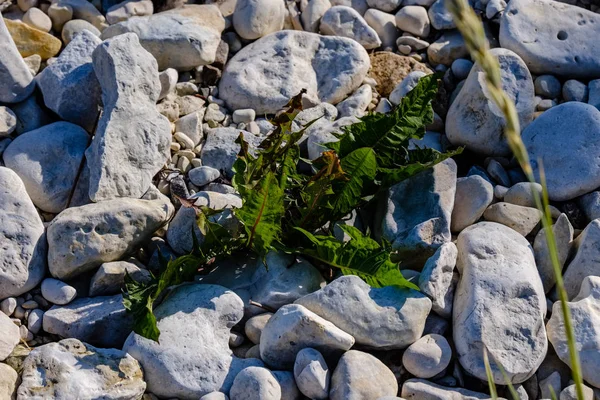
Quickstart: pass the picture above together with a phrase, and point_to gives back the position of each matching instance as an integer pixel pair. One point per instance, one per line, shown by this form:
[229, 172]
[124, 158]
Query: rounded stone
[253, 19]
[75, 26]
[255, 383]
[58, 292]
[36, 18]
[413, 19]
[574, 90]
[8, 121]
[428, 356]
[255, 325]
[312, 374]
[473, 195]
[461, 68]
[547, 86]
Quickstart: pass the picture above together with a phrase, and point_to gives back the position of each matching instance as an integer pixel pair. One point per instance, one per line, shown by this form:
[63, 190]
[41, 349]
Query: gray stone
[253, 19]
[590, 205]
[414, 20]
[82, 238]
[428, 356]
[85, 10]
[475, 122]
[132, 140]
[360, 375]
[168, 79]
[346, 22]
[560, 31]
[570, 393]
[9, 381]
[385, 25]
[203, 175]
[586, 260]
[440, 17]
[437, 279]
[8, 121]
[61, 370]
[267, 73]
[547, 86]
[521, 219]
[191, 126]
[16, 82]
[499, 304]
[73, 28]
[220, 150]
[215, 396]
[359, 5]
[191, 362]
[34, 321]
[23, 250]
[447, 48]
[255, 325]
[100, 321]
[255, 383]
[522, 194]
[385, 5]
[48, 160]
[57, 292]
[551, 381]
[289, 390]
[69, 84]
[30, 115]
[8, 306]
[473, 195]
[312, 13]
[495, 8]
[183, 38]
[569, 161]
[9, 336]
[498, 173]
[408, 83]
[355, 307]
[110, 277]
[574, 90]
[422, 389]
[356, 104]
[312, 374]
[322, 133]
[461, 68]
[293, 328]
[563, 235]
[594, 93]
[127, 9]
[415, 230]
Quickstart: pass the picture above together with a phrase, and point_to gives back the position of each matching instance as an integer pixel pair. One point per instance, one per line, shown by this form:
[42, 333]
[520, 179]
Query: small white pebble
[184, 140]
[8, 306]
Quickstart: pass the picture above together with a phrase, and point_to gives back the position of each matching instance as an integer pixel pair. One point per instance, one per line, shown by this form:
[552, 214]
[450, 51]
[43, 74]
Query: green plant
[286, 210]
[473, 33]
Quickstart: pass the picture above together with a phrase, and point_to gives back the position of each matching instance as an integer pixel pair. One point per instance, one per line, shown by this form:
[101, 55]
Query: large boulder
[16, 82]
[569, 161]
[267, 73]
[23, 249]
[499, 304]
[553, 37]
[586, 261]
[192, 357]
[474, 121]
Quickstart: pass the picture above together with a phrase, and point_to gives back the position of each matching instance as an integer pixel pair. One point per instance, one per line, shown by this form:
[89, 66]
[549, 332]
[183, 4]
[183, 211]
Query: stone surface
[590, 205]
[84, 10]
[58, 370]
[353, 306]
[128, 9]
[255, 383]
[312, 13]
[203, 175]
[475, 122]
[110, 277]
[356, 104]
[293, 328]
[132, 140]
[30, 41]
[100, 321]
[360, 375]
[408, 83]
[183, 38]
[267, 73]
[253, 19]
[389, 69]
[586, 260]
[69, 84]
[9, 336]
[414, 20]
[473, 195]
[437, 279]
[312, 374]
[48, 160]
[347, 22]
[563, 234]
[9, 381]
[499, 304]
[385, 25]
[17, 82]
[191, 362]
[74, 27]
[548, 36]
[82, 238]
[422, 389]
[220, 150]
[547, 86]
[8, 121]
[23, 250]
[255, 325]
[428, 356]
[521, 219]
[522, 194]
[57, 292]
[569, 161]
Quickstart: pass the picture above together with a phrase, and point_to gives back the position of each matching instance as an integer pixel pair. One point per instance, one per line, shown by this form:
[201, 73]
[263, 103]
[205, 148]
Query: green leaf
[361, 256]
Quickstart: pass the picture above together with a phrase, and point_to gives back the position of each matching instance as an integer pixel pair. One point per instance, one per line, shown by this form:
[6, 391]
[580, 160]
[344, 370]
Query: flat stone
[437, 279]
[9, 336]
[283, 63]
[17, 82]
[253, 19]
[563, 235]
[473, 195]
[203, 175]
[58, 370]
[428, 356]
[57, 292]
[346, 22]
[30, 41]
[422, 389]
[521, 219]
[389, 69]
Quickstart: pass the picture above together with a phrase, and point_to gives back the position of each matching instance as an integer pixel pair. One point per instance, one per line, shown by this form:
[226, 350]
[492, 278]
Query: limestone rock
[110, 277]
[9, 336]
[255, 383]
[253, 19]
[9, 381]
[586, 260]
[312, 374]
[563, 234]
[437, 279]
[128, 9]
[17, 82]
[30, 41]
[220, 150]
[422, 389]
[389, 69]
[521, 219]
[347, 22]
[473, 195]
[428, 356]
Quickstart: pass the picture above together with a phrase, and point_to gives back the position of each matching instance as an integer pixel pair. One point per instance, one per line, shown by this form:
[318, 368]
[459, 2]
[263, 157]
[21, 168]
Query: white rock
[563, 234]
[447, 48]
[475, 122]
[9, 381]
[293, 328]
[441, 18]
[255, 325]
[406, 85]
[60, 14]
[356, 105]
[168, 79]
[8, 306]
[322, 133]
[499, 304]
[568, 160]
[347, 22]
[253, 19]
[428, 356]
[585, 262]
[8, 121]
[560, 31]
[203, 175]
[422, 389]
[9, 336]
[36, 18]
[191, 362]
[312, 13]
[255, 383]
[16, 82]
[355, 307]
[494, 7]
[312, 374]
[34, 321]
[289, 390]
[570, 393]
[74, 27]
[360, 375]
[127, 9]
[244, 116]
[385, 26]
[473, 195]
[413, 19]
[220, 150]
[57, 292]
[385, 5]
[84, 10]
[59, 370]
[522, 194]
[110, 277]
[437, 279]
[214, 396]
[260, 77]
[23, 250]
[521, 219]
[82, 238]
[359, 5]
[585, 318]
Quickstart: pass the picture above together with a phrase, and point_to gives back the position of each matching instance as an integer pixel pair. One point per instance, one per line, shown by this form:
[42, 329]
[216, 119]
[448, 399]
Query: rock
[416, 231]
[428, 356]
[359, 375]
[214, 396]
[30, 115]
[84, 10]
[447, 48]
[568, 161]
[312, 374]
[570, 393]
[73, 28]
[437, 279]
[255, 325]
[385, 25]
[293, 328]
[475, 122]
[347, 22]
[191, 362]
[276, 78]
[422, 389]
[253, 19]
[110, 277]
[9, 336]
[132, 140]
[128, 9]
[312, 13]
[553, 381]
[499, 304]
[547, 86]
[357, 103]
[563, 234]
[23, 251]
[522, 194]
[585, 262]
[69, 84]
[408, 83]
[574, 90]
[58, 370]
[590, 205]
[49, 168]
[30, 41]
[441, 18]
[594, 93]
[82, 238]
[584, 317]
[183, 38]
[497, 172]
[203, 175]
[289, 390]
[473, 195]
[37, 19]
[220, 150]
[255, 383]
[353, 306]
[168, 79]
[320, 134]
[9, 381]
[385, 5]
[17, 82]
[495, 8]
[461, 68]
[413, 19]
[8, 121]
[559, 29]
[389, 70]
[60, 14]
[8, 305]
[58, 292]
[521, 219]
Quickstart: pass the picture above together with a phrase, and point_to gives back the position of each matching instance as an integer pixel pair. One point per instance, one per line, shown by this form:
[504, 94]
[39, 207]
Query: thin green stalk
[473, 33]
[490, 376]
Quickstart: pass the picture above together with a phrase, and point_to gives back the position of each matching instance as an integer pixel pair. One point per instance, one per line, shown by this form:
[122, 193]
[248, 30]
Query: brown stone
[32, 41]
[388, 69]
